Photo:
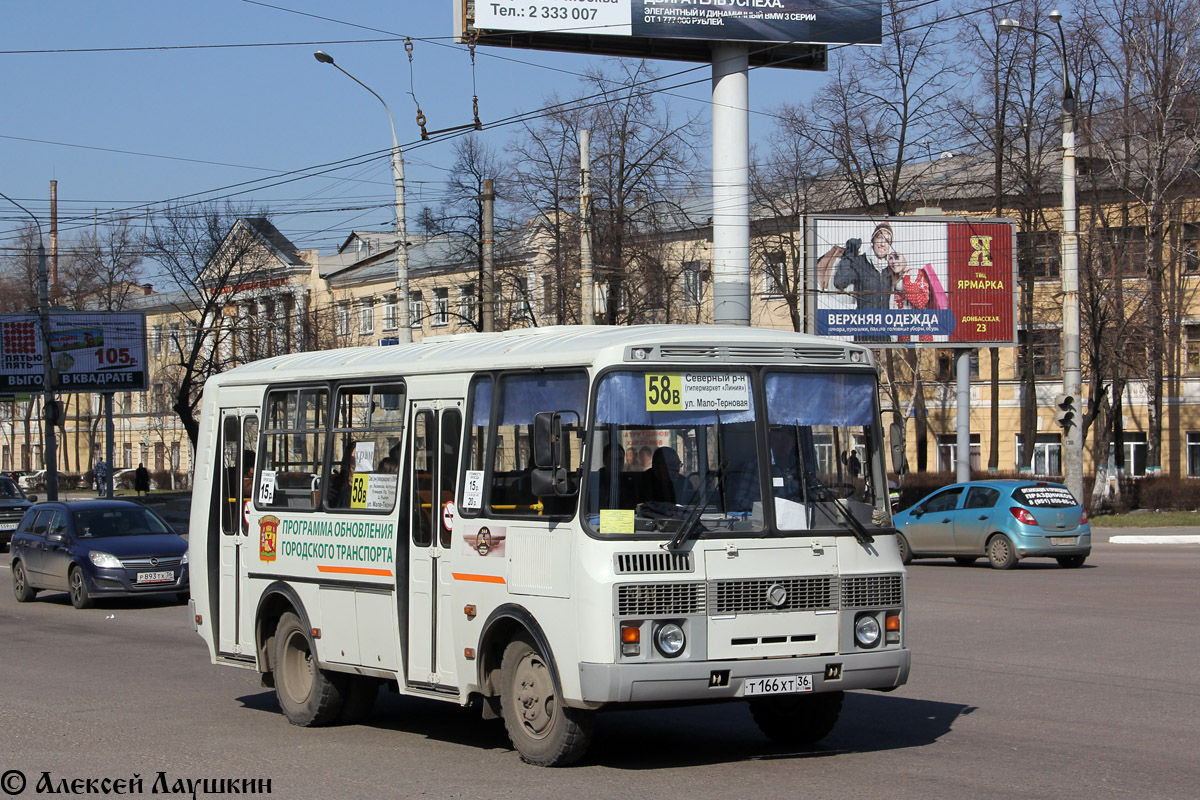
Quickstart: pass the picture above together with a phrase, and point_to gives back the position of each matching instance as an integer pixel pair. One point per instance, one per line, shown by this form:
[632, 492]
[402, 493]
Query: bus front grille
[633, 563]
[772, 595]
[660, 599]
[872, 591]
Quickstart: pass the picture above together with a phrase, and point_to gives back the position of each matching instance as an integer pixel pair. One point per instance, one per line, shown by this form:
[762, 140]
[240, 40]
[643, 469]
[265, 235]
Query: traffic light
[1064, 410]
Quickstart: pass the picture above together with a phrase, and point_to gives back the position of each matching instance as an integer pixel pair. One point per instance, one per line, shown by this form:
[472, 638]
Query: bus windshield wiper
[691, 517]
[824, 495]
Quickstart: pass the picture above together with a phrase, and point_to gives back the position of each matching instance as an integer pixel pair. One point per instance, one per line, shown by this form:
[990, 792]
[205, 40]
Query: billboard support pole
[730, 184]
[108, 444]
[963, 400]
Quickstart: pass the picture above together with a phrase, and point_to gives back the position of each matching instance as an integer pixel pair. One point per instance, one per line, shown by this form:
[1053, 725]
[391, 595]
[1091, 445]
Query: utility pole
[587, 294]
[488, 288]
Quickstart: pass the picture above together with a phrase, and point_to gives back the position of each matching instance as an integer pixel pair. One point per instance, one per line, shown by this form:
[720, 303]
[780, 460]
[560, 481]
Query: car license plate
[1062, 540]
[156, 577]
[778, 684]
[8, 526]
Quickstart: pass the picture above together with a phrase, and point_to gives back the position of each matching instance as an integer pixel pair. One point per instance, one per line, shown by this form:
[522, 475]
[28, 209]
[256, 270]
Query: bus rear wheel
[308, 695]
[797, 719]
[544, 731]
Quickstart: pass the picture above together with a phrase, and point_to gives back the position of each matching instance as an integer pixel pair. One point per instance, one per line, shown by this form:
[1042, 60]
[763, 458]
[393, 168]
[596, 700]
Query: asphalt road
[1035, 683]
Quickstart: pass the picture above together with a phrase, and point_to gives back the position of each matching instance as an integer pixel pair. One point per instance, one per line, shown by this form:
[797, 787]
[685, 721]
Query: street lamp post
[405, 333]
[49, 407]
[1070, 406]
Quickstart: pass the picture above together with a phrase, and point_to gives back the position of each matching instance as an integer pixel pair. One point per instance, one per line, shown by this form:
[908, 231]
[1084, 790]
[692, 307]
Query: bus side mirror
[551, 474]
[896, 440]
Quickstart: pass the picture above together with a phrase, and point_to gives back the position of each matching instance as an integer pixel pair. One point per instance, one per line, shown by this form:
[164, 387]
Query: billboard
[102, 351]
[777, 21]
[913, 281]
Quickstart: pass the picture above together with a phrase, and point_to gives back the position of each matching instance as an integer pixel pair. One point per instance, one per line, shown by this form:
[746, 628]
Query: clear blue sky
[191, 122]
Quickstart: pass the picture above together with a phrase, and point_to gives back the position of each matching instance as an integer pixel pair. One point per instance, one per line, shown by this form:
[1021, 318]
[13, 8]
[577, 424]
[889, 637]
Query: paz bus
[553, 522]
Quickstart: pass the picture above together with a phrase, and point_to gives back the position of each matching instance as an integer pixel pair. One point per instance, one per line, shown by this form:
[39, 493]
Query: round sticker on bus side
[448, 515]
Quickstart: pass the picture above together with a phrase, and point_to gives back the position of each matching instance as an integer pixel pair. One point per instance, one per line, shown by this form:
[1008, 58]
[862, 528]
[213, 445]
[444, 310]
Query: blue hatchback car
[1003, 520]
[98, 547]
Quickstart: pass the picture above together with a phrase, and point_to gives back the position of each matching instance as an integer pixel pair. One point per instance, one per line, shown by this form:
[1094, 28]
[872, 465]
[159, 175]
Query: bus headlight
[669, 639]
[866, 630]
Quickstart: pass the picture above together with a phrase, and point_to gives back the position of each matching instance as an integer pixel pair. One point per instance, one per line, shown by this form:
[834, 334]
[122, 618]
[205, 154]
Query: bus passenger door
[436, 431]
[239, 437]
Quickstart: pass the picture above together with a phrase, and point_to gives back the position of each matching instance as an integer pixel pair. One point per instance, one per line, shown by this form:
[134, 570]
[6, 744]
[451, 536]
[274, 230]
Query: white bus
[552, 522]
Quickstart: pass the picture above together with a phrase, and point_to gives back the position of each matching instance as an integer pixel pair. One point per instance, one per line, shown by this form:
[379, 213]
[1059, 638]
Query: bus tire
[308, 695]
[797, 719]
[359, 702]
[544, 731]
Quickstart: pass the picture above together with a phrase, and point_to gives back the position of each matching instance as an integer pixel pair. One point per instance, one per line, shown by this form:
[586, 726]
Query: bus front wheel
[797, 719]
[544, 731]
[308, 695]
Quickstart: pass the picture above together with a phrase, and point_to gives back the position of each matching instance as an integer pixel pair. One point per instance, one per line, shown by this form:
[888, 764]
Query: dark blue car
[94, 548]
[13, 503]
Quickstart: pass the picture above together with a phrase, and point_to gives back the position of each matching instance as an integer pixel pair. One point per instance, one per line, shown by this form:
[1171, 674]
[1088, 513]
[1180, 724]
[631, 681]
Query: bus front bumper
[691, 681]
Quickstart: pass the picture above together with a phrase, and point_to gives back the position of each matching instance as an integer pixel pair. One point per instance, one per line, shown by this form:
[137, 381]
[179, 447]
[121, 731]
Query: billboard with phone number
[913, 281]
[103, 351]
[783, 21]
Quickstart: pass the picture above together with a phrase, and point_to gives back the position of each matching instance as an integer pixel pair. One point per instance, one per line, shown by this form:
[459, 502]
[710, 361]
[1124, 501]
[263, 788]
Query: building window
[691, 283]
[1047, 453]
[391, 314]
[1123, 250]
[947, 452]
[1190, 247]
[416, 310]
[1192, 354]
[156, 340]
[1193, 454]
[441, 307]
[1136, 450]
[1047, 351]
[1040, 250]
[128, 455]
[466, 303]
[522, 311]
[342, 319]
[774, 276]
[946, 365]
[366, 318]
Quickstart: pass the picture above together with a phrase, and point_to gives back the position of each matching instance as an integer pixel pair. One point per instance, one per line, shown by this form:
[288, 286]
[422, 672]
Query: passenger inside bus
[340, 481]
[667, 484]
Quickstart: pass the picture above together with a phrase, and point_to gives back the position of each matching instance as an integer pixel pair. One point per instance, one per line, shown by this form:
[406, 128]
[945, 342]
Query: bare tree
[642, 162]
[1148, 127]
[212, 255]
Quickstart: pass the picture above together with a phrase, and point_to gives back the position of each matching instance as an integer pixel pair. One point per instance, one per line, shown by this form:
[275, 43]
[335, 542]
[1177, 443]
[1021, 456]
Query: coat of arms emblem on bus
[268, 533]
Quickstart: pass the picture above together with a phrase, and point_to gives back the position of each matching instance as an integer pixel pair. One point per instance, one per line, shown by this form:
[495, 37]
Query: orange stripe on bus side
[462, 576]
[386, 573]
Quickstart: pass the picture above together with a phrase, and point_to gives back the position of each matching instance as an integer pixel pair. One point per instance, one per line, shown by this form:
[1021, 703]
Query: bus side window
[423, 467]
[451, 435]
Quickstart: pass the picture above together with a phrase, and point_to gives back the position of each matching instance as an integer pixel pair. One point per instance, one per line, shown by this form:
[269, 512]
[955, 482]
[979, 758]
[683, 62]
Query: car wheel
[1066, 562]
[905, 550]
[21, 587]
[308, 695]
[1001, 553]
[965, 561]
[78, 589]
[182, 598]
[794, 719]
[544, 731]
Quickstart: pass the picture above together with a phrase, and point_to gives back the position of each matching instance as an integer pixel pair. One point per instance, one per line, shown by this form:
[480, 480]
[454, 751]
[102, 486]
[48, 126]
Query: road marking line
[1154, 539]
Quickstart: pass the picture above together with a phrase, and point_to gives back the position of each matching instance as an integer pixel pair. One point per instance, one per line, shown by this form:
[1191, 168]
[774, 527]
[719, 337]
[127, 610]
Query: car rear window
[1045, 497]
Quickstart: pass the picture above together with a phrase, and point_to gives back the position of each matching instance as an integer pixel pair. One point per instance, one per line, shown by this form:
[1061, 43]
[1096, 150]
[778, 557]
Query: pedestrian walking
[101, 472]
[141, 480]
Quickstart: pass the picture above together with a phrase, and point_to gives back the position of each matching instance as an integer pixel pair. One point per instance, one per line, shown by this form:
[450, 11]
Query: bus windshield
[677, 449]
